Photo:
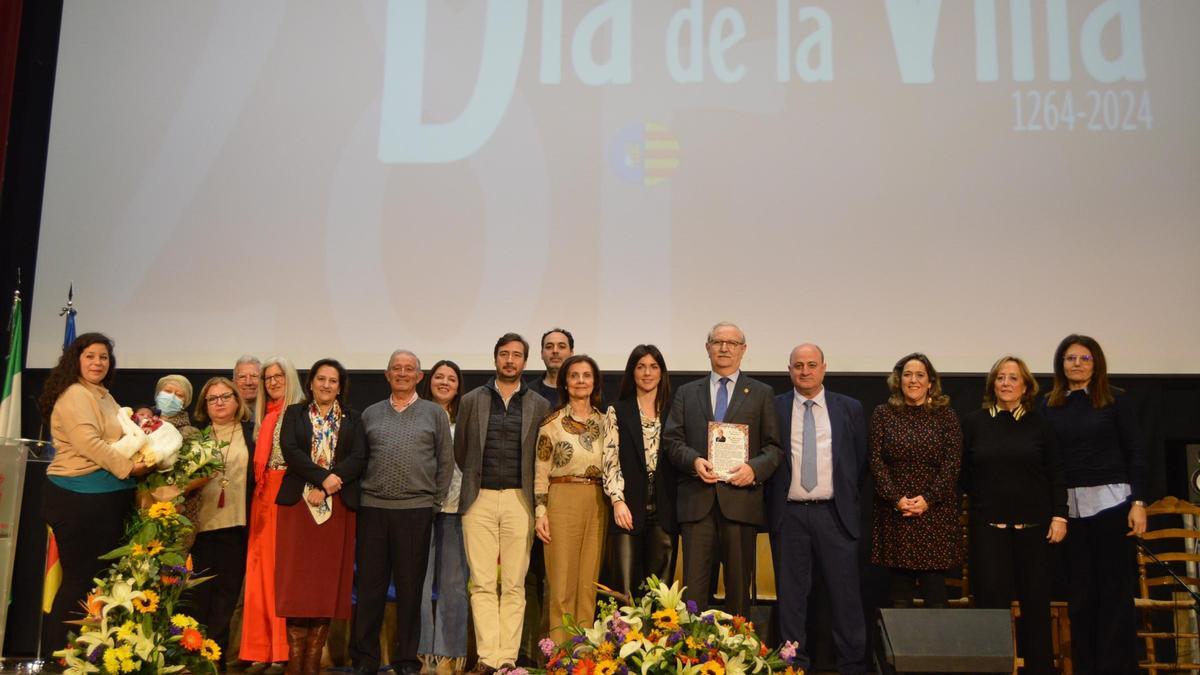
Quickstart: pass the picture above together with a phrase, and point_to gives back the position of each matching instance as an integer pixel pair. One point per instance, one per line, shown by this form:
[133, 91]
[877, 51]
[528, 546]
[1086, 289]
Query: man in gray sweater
[410, 461]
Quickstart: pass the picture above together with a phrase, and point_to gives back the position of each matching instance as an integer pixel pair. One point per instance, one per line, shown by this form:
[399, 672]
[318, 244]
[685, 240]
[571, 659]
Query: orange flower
[585, 667]
[94, 606]
[192, 640]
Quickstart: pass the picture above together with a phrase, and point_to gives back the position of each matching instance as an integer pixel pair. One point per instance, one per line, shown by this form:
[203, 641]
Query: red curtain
[10, 33]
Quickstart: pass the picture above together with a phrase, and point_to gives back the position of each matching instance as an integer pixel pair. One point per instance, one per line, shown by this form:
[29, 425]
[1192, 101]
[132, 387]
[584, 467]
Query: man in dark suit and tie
[813, 508]
[720, 515]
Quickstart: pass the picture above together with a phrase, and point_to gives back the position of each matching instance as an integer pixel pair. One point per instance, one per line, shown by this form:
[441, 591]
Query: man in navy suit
[813, 508]
[719, 516]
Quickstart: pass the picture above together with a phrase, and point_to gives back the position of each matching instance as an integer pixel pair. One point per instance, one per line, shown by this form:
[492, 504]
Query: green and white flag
[10, 405]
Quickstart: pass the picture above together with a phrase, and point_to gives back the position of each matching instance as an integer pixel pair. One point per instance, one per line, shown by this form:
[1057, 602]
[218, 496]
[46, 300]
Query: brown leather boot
[297, 636]
[314, 648]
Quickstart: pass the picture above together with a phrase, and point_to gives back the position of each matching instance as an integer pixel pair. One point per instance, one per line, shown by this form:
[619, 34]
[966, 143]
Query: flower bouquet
[660, 633]
[198, 460]
[131, 624]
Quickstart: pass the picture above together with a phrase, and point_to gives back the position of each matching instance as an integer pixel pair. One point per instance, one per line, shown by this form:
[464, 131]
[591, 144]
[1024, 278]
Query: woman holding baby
[90, 482]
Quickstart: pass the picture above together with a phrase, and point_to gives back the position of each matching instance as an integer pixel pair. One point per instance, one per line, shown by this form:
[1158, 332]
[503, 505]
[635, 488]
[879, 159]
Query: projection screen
[343, 179]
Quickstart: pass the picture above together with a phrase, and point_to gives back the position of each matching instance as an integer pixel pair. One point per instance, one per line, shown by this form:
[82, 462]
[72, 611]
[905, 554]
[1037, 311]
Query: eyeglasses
[1078, 358]
[273, 378]
[728, 344]
[218, 398]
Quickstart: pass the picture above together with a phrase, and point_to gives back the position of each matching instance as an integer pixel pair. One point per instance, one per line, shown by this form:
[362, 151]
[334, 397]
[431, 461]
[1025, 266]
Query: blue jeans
[444, 624]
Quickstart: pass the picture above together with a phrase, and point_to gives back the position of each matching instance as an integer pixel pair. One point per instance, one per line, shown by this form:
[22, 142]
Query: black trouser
[634, 557]
[1101, 563]
[1014, 564]
[221, 553]
[537, 611]
[735, 542]
[811, 535]
[86, 526]
[393, 545]
[903, 587]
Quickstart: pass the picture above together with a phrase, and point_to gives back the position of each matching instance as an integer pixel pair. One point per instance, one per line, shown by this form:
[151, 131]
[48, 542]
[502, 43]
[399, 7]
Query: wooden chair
[1152, 576]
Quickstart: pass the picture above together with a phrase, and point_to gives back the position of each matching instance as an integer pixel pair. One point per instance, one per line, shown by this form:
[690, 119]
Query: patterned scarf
[324, 439]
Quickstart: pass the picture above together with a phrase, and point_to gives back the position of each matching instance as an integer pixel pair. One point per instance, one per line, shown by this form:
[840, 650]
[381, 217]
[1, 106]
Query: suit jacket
[470, 434]
[632, 457]
[349, 455]
[685, 437]
[848, 426]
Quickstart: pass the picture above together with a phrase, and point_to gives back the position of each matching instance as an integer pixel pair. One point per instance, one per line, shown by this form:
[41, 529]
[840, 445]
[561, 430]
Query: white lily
[736, 666]
[120, 594]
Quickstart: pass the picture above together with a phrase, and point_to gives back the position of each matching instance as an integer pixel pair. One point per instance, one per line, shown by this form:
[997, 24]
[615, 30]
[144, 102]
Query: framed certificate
[728, 447]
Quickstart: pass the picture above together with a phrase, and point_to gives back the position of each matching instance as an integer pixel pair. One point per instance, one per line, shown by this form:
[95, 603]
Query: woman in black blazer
[325, 449]
[221, 508]
[638, 479]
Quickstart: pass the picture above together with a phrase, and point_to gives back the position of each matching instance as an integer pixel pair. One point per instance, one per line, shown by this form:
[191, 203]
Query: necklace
[224, 458]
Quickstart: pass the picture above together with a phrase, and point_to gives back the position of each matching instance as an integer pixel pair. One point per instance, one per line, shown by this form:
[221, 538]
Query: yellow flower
[118, 659]
[126, 630]
[183, 621]
[605, 651]
[154, 547]
[606, 667]
[634, 635]
[712, 668]
[162, 511]
[692, 643]
[136, 550]
[147, 603]
[210, 650]
[666, 619]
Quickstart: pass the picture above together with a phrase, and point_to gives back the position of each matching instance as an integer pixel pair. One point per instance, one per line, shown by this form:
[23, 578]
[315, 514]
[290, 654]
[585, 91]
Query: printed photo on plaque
[728, 447]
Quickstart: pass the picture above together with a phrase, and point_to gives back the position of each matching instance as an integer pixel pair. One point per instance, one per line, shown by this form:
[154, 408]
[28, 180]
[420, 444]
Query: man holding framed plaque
[722, 434]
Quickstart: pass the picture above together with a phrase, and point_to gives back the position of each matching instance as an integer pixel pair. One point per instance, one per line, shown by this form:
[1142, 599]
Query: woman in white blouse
[643, 530]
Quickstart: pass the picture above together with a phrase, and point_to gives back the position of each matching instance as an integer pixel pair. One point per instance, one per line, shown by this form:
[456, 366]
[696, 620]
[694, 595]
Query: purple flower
[709, 619]
[175, 630]
[675, 637]
[516, 671]
[578, 639]
[98, 654]
[788, 651]
[692, 606]
[547, 646]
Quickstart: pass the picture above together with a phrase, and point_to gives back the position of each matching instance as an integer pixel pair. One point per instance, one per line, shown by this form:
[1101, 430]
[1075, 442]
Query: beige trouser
[578, 522]
[498, 526]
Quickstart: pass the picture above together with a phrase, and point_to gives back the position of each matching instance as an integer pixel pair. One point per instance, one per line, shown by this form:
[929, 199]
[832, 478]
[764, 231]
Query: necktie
[722, 399]
[808, 453]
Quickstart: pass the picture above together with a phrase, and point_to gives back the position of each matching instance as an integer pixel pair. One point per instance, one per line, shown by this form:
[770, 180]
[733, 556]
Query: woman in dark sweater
[1104, 465]
[1018, 504]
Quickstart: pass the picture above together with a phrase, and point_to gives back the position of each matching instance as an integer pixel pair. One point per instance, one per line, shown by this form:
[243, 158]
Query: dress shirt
[824, 487]
[714, 381]
[1085, 502]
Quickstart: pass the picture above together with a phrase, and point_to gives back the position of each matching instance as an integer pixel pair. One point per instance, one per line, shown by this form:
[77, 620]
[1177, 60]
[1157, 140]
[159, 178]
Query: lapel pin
[746, 390]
